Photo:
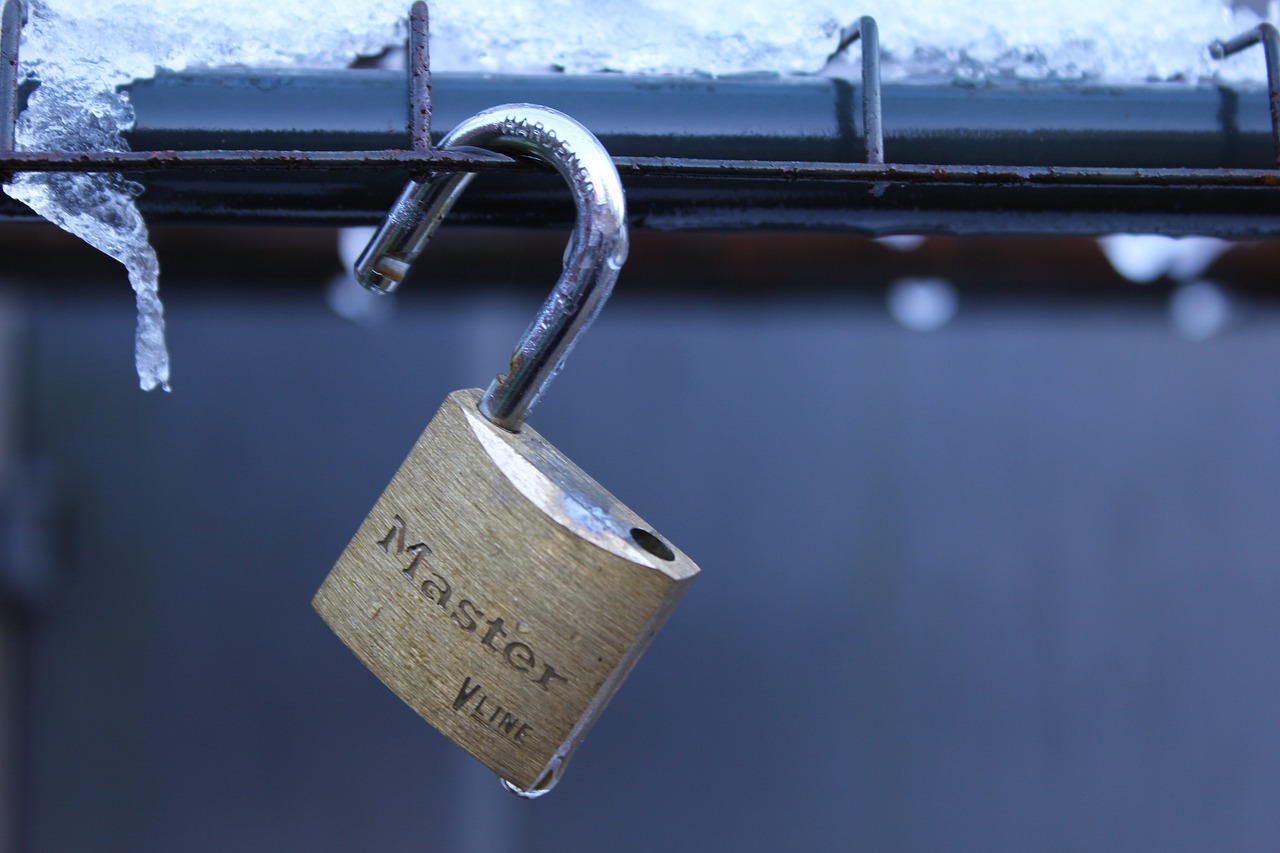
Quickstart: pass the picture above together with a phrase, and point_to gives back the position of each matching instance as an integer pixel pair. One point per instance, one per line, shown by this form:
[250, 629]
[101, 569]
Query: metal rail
[776, 170]
[775, 153]
[12, 20]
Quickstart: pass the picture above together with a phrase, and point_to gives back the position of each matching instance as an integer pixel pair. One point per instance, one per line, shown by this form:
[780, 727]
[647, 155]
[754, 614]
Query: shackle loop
[596, 251]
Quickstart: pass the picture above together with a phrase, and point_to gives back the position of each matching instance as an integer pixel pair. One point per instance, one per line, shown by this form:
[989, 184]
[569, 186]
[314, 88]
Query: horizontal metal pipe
[695, 152]
[778, 170]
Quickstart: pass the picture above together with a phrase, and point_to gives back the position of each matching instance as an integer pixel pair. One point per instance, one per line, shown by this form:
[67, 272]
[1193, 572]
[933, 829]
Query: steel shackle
[596, 251]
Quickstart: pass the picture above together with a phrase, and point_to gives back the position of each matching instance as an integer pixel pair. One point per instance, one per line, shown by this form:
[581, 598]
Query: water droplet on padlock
[537, 789]
[523, 793]
[522, 627]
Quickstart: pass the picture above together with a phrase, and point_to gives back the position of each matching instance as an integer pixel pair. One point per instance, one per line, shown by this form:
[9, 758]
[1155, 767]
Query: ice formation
[1136, 41]
[921, 40]
[81, 51]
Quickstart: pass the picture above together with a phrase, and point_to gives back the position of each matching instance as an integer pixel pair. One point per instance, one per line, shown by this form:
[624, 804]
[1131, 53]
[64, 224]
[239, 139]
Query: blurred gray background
[1008, 585]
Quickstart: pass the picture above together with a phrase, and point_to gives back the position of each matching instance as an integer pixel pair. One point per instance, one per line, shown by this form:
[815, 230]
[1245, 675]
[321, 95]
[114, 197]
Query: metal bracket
[1270, 39]
[867, 30]
[423, 157]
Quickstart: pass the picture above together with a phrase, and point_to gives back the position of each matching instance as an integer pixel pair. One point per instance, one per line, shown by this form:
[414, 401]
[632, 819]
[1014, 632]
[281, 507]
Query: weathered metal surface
[11, 21]
[501, 592]
[699, 154]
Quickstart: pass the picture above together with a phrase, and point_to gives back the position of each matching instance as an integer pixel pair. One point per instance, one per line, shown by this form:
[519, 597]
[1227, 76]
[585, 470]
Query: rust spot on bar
[419, 78]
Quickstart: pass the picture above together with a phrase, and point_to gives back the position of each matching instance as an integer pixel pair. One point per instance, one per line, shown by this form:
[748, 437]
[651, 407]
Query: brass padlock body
[501, 592]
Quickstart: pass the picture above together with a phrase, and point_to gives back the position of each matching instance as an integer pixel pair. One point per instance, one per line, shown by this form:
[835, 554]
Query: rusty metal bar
[255, 160]
[1270, 39]
[14, 16]
[695, 154]
[419, 78]
[748, 153]
[867, 30]
[777, 170]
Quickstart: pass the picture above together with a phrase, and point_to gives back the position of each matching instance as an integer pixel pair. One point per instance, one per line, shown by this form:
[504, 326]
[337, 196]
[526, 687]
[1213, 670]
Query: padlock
[496, 588]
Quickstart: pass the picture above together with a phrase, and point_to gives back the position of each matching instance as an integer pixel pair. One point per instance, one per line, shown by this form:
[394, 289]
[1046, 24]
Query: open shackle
[596, 251]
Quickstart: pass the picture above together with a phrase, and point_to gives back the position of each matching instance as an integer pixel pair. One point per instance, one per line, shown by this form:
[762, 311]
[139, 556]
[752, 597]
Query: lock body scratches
[501, 592]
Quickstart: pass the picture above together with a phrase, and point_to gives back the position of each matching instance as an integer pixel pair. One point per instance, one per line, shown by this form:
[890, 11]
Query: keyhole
[652, 544]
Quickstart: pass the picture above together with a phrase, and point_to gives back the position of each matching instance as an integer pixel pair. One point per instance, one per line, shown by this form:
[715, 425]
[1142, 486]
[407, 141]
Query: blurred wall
[1009, 585]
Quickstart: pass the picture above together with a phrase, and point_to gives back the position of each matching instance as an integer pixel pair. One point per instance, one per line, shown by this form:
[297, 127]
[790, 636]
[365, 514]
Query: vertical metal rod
[15, 15]
[419, 78]
[871, 89]
[867, 30]
[386, 260]
[1270, 38]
